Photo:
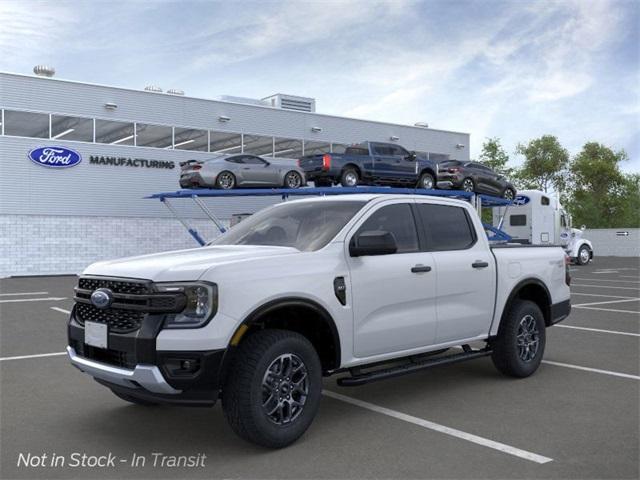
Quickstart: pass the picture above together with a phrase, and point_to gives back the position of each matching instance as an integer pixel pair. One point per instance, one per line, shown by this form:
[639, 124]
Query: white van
[537, 218]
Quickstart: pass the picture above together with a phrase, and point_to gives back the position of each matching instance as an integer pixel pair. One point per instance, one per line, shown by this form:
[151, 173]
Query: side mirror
[373, 242]
[412, 156]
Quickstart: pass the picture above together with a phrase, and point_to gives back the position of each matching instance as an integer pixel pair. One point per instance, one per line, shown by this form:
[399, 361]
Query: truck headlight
[201, 304]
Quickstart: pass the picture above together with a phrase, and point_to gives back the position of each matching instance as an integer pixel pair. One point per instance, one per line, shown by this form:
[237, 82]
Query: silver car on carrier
[241, 170]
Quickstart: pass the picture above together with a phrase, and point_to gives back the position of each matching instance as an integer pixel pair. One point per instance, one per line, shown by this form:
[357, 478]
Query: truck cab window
[398, 220]
[518, 220]
[446, 227]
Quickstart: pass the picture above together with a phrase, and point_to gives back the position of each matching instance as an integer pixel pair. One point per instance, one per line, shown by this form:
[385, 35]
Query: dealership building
[127, 144]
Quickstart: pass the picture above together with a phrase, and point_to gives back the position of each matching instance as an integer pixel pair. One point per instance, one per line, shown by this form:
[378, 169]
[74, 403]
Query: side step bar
[410, 366]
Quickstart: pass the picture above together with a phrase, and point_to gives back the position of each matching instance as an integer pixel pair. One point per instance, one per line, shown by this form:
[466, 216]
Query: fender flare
[518, 287]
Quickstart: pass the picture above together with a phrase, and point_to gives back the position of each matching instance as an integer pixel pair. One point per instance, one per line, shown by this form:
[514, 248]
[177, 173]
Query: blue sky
[515, 70]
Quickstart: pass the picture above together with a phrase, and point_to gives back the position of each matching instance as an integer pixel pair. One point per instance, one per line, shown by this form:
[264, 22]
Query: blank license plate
[95, 334]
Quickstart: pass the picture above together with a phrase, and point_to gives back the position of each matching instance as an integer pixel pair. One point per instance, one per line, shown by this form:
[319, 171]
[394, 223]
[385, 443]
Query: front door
[393, 295]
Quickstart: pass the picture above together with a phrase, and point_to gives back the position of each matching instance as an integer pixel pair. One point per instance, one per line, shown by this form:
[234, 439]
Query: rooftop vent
[421, 124]
[175, 91]
[44, 71]
[153, 88]
[291, 102]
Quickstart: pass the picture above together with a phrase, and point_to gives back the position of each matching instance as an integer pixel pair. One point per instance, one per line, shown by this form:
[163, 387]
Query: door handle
[480, 264]
[420, 269]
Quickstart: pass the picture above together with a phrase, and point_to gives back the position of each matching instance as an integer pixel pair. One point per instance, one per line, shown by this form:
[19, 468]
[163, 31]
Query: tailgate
[312, 163]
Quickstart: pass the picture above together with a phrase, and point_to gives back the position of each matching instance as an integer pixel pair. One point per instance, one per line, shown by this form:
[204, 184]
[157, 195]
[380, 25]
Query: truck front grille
[116, 358]
[131, 287]
[119, 320]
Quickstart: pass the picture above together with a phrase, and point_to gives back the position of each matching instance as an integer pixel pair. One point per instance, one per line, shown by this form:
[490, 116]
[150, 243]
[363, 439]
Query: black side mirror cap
[373, 242]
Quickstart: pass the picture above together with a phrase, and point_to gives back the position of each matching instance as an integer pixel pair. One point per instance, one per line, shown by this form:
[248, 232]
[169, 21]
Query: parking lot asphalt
[577, 417]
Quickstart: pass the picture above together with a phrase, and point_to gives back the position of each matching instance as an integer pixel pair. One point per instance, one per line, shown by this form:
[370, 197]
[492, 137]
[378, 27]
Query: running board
[410, 366]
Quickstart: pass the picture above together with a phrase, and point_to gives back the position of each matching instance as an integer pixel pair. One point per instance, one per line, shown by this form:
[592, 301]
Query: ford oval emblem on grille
[55, 157]
[102, 298]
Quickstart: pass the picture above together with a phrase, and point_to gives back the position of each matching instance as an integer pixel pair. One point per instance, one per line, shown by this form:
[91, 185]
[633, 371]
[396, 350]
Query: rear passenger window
[446, 228]
[518, 220]
[398, 220]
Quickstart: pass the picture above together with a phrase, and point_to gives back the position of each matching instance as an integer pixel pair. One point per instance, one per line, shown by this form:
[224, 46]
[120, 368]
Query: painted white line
[48, 299]
[628, 276]
[22, 293]
[61, 310]
[594, 370]
[40, 355]
[599, 330]
[605, 280]
[485, 442]
[608, 310]
[605, 272]
[606, 302]
[606, 286]
[599, 295]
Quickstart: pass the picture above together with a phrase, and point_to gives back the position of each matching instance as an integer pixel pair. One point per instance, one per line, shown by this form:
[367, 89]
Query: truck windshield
[307, 226]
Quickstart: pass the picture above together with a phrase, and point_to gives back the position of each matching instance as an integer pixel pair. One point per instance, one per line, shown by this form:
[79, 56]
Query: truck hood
[182, 265]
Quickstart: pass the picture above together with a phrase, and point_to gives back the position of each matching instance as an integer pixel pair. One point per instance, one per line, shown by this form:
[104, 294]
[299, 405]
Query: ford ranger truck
[371, 163]
[365, 286]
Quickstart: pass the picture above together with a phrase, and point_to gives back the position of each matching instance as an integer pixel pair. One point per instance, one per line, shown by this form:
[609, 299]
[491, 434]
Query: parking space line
[47, 299]
[606, 286]
[598, 295]
[609, 310]
[40, 355]
[606, 280]
[606, 302]
[599, 330]
[61, 310]
[628, 276]
[22, 293]
[485, 442]
[594, 370]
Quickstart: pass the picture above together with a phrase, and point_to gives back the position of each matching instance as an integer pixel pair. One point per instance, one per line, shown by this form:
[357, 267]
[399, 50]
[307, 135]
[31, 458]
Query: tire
[522, 322]
[225, 180]
[584, 255]
[468, 185]
[292, 180]
[134, 400]
[508, 194]
[427, 181]
[349, 177]
[249, 384]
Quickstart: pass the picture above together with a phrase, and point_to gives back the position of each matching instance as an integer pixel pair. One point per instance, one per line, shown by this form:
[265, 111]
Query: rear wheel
[226, 180]
[468, 185]
[349, 178]
[293, 179]
[137, 401]
[509, 194]
[426, 181]
[519, 346]
[584, 255]
[272, 392]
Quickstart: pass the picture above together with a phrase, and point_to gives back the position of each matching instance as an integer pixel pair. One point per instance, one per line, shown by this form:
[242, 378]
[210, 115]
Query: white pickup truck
[368, 286]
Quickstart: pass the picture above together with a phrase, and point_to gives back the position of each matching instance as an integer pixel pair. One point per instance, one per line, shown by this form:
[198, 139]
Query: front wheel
[519, 346]
[584, 255]
[273, 388]
[426, 181]
[293, 179]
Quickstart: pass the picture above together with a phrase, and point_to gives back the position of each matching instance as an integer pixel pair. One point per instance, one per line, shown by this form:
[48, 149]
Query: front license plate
[95, 334]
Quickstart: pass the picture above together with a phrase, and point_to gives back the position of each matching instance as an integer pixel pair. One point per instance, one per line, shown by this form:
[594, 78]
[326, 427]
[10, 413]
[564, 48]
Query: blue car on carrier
[371, 163]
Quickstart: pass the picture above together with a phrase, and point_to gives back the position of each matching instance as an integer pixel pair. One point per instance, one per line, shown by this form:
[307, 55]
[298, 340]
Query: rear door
[393, 301]
[465, 271]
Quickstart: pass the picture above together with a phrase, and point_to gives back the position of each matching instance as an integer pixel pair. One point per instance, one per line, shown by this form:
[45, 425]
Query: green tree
[601, 196]
[545, 164]
[494, 156]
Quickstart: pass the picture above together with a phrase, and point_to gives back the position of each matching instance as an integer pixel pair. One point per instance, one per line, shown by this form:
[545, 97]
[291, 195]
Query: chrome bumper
[148, 377]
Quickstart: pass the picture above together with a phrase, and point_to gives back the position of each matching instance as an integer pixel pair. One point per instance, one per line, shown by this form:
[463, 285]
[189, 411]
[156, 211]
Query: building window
[114, 133]
[71, 128]
[225, 142]
[258, 145]
[190, 139]
[315, 148]
[26, 124]
[287, 148]
[157, 136]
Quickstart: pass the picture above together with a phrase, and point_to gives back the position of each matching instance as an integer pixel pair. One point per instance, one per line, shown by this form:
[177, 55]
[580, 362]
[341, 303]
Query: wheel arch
[300, 315]
[354, 166]
[534, 290]
[430, 171]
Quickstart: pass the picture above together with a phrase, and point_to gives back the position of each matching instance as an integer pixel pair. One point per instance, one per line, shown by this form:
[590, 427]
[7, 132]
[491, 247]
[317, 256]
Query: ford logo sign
[102, 298]
[521, 200]
[55, 157]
